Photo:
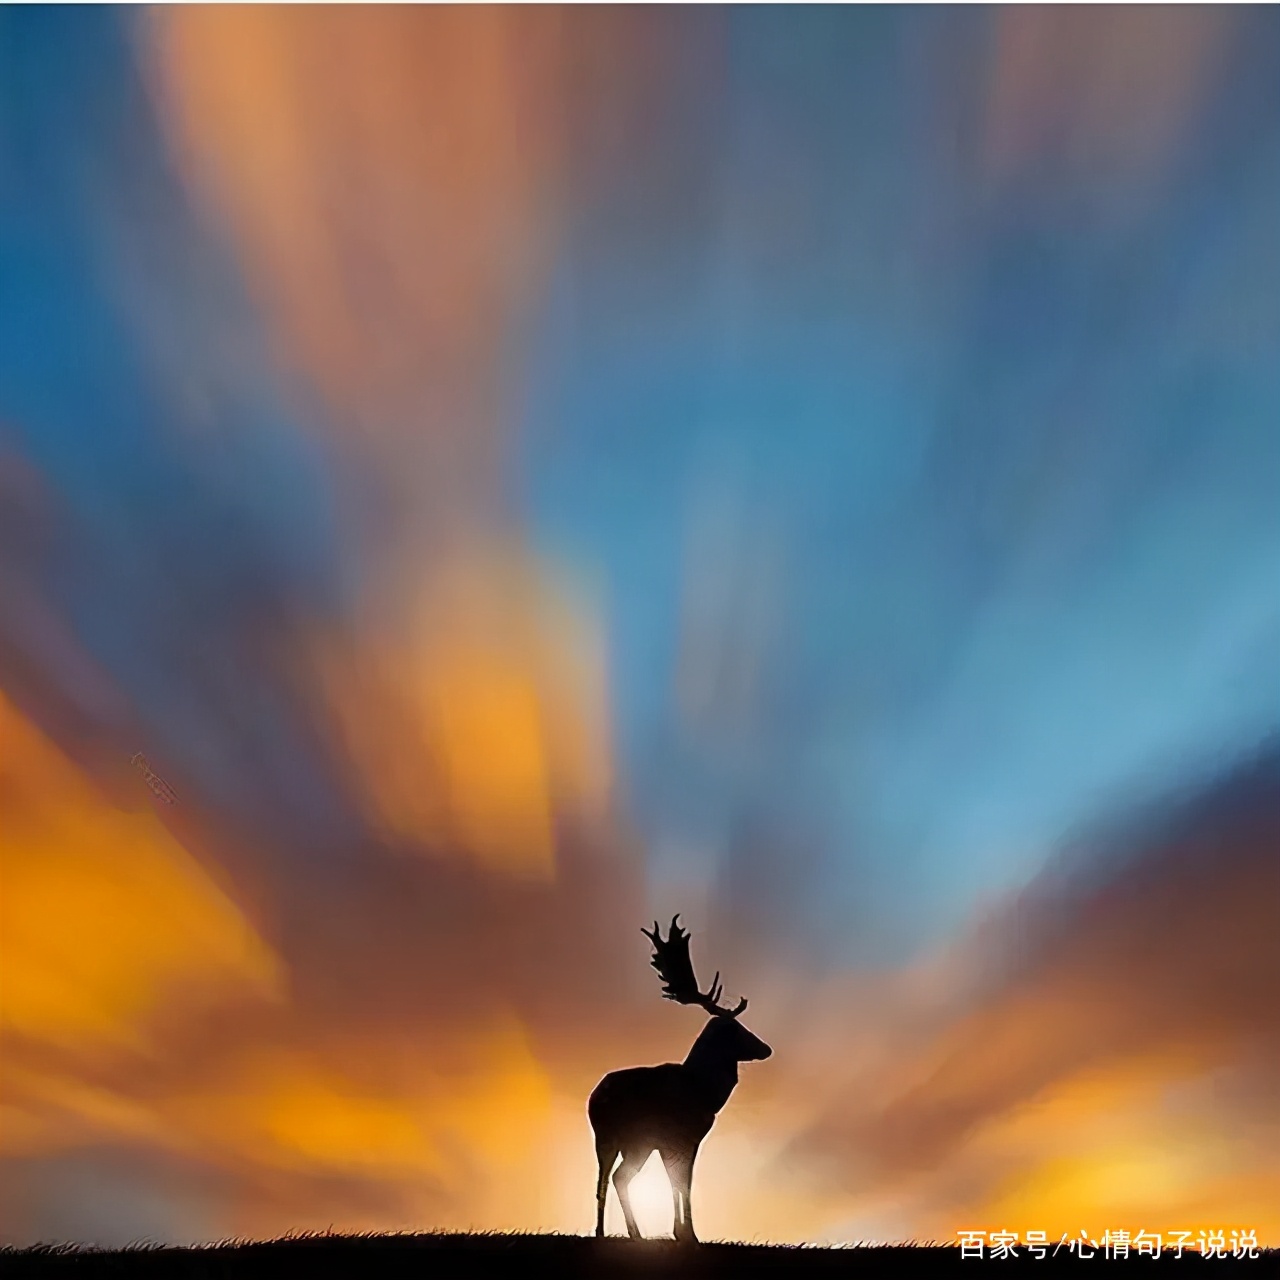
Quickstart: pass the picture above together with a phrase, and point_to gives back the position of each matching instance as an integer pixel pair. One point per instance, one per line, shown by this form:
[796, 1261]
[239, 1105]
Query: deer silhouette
[670, 1108]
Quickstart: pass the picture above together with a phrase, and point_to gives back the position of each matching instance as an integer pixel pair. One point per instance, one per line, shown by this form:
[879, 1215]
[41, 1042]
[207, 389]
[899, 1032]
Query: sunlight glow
[650, 1201]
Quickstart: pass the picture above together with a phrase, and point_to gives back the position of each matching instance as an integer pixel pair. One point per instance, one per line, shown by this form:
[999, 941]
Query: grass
[493, 1254]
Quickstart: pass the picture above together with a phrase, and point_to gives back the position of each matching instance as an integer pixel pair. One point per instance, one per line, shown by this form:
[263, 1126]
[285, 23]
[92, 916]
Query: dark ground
[426, 1257]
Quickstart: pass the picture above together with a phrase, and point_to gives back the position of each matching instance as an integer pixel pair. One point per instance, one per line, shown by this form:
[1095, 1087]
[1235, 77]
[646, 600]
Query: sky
[518, 472]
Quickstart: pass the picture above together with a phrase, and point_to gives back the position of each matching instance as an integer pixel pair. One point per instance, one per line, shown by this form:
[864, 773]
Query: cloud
[1105, 98]
[261, 517]
[1112, 1001]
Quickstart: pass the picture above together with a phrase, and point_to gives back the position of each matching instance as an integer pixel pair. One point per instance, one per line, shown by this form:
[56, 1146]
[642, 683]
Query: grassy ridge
[432, 1256]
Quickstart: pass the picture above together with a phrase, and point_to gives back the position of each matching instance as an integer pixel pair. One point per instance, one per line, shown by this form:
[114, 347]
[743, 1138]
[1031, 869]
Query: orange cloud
[485, 726]
[117, 948]
[389, 181]
[386, 175]
[308, 1109]
[1108, 1072]
[103, 914]
[1104, 92]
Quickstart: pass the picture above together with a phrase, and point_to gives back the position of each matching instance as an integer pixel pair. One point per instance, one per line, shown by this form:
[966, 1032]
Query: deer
[670, 1108]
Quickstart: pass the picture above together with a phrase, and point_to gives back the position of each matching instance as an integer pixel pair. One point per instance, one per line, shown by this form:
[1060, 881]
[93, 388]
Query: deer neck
[714, 1075]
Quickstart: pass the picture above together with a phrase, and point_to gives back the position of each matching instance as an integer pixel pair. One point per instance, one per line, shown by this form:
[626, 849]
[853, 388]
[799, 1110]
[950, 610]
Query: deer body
[669, 1108]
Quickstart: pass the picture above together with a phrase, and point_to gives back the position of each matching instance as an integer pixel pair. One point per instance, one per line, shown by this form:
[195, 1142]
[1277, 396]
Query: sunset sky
[516, 473]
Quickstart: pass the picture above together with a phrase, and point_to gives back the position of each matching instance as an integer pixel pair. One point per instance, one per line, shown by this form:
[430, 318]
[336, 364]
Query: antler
[671, 959]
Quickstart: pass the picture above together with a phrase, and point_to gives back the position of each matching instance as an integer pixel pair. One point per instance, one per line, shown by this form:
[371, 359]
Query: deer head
[724, 1039]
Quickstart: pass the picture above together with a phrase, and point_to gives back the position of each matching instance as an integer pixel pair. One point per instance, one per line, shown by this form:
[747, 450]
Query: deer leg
[683, 1178]
[672, 1161]
[632, 1163]
[606, 1154]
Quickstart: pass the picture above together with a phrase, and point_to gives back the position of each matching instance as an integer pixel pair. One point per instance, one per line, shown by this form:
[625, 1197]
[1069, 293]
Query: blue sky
[1018, 457]
[987, 465]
